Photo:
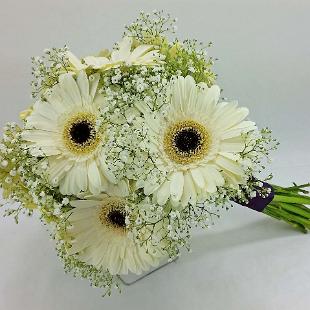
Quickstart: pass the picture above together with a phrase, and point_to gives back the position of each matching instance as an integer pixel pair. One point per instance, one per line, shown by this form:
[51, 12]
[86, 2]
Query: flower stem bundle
[290, 205]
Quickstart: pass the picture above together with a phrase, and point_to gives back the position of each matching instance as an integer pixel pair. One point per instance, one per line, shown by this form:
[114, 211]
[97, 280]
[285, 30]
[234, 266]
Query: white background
[246, 261]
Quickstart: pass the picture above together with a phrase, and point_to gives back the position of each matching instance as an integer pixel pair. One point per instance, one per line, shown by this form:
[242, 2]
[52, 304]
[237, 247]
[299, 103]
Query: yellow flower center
[113, 214]
[186, 142]
[80, 135]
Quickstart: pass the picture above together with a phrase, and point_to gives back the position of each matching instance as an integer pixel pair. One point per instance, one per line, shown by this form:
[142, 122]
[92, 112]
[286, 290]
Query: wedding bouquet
[123, 153]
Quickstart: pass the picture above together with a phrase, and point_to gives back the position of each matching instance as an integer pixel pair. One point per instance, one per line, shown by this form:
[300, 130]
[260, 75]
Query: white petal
[198, 177]
[229, 165]
[123, 51]
[48, 111]
[210, 181]
[149, 188]
[38, 121]
[66, 185]
[228, 115]
[121, 189]
[176, 185]
[234, 145]
[69, 89]
[213, 94]
[99, 100]
[93, 84]
[41, 137]
[236, 130]
[94, 179]
[139, 52]
[218, 178]
[58, 168]
[55, 96]
[83, 203]
[163, 193]
[77, 64]
[213, 178]
[83, 84]
[96, 62]
[190, 194]
[80, 176]
[150, 58]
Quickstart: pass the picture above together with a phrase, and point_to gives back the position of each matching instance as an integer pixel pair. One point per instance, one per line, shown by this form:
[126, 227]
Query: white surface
[246, 261]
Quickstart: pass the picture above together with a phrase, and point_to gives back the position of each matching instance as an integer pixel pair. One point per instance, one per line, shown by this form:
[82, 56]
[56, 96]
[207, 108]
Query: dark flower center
[117, 218]
[187, 140]
[82, 132]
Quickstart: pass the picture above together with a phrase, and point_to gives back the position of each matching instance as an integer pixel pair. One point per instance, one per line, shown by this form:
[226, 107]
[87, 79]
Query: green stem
[289, 205]
[294, 208]
[292, 199]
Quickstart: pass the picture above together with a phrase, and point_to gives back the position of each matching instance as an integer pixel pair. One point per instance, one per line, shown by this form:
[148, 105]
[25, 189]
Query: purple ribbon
[259, 203]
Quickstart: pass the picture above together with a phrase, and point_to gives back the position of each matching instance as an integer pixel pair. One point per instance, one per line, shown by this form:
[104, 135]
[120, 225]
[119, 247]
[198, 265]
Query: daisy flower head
[124, 54]
[64, 129]
[197, 140]
[99, 236]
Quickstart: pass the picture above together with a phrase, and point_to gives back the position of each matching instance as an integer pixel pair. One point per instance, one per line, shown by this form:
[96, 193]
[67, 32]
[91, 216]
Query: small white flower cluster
[24, 180]
[124, 88]
[152, 25]
[47, 69]
[258, 146]
[127, 151]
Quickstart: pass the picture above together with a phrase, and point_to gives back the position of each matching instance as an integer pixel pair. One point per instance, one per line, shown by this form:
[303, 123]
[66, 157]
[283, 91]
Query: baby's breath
[47, 69]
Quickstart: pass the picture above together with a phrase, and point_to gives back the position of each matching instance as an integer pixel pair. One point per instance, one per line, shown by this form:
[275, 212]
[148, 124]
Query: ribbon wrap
[259, 203]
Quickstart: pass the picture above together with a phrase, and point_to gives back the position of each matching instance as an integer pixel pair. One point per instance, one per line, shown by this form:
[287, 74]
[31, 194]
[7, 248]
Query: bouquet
[123, 153]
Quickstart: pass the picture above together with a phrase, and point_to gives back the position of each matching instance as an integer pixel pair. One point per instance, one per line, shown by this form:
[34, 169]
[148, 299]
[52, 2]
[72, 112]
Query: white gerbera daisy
[142, 55]
[100, 237]
[64, 128]
[197, 142]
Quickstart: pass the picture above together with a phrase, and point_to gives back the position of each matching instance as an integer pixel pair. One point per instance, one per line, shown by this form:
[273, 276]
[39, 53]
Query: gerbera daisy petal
[81, 176]
[94, 179]
[83, 85]
[210, 184]
[123, 55]
[75, 63]
[58, 169]
[176, 185]
[234, 145]
[213, 178]
[123, 52]
[93, 84]
[35, 135]
[163, 193]
[198, 177]
[139, 51]
[96, 62]
[150, 188]
[236, 131]
[212, 94]
[49, 112]
[229, 164]
[42, 122]
[69, 89]
[69, 186]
